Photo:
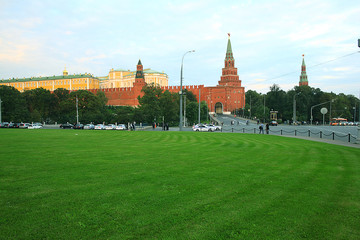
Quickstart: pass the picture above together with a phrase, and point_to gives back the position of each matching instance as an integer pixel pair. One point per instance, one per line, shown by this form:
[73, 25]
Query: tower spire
[229, 53]
[303, 76]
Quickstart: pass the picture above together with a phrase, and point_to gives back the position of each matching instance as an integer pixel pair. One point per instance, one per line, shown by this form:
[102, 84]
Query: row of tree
[41, 105]
[338, 105]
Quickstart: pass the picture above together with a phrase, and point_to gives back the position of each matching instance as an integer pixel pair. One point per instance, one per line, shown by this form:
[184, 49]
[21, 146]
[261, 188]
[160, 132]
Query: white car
[99, 127]
[201, 128]
[213, 127]
[121, 127]
[110, 127]
[35, 126]
[89, 127]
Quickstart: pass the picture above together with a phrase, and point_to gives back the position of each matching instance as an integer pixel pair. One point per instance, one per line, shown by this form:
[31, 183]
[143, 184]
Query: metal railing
[319, 134]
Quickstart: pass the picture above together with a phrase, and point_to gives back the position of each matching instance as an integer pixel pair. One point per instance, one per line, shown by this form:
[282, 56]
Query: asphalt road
[339, 133]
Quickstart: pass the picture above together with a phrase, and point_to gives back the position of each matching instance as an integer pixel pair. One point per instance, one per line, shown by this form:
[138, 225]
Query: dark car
[66, 125]
[78, 126]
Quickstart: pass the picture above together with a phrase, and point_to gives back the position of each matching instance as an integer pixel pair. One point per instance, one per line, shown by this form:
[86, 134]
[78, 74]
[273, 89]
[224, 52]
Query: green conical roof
[229, 53]
[139, 63]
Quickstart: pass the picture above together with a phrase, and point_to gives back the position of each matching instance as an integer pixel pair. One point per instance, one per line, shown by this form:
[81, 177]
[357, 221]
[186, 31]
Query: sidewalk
[346, 144]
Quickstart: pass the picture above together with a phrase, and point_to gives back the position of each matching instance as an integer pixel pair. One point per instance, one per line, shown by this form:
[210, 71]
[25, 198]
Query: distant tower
[65, 72]
[303, 76]
[229, 72]
[139, 77]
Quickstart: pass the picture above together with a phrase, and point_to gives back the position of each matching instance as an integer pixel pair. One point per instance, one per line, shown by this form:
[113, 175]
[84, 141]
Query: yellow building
[120, 78]
[71, 82]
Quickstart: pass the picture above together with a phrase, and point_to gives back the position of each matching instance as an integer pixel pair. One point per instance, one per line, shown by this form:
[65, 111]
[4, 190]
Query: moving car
[213, 127]
[201, 128]
[273, 123]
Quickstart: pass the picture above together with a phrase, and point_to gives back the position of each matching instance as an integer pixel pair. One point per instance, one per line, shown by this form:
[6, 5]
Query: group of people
[261, 128]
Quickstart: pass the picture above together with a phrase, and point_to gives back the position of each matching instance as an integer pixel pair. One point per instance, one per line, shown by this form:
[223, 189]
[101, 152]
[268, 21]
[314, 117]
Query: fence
[320, 134]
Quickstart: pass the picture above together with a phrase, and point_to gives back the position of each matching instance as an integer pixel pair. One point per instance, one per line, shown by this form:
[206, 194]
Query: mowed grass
[68, 184]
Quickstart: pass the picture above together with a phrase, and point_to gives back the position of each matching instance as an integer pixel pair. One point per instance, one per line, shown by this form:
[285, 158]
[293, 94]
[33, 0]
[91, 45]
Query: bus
[338, 121]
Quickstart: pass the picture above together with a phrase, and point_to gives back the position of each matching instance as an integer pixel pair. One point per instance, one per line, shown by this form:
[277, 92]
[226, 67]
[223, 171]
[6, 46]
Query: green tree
[13, 106]
[149, 103]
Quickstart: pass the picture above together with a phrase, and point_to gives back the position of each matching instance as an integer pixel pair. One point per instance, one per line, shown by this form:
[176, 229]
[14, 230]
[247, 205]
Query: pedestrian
[267, 128]
[261, 129]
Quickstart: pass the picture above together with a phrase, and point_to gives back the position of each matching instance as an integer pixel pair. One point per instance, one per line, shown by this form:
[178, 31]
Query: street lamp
[294, 108]
[0, 110]
[311, 118]
[181, 92]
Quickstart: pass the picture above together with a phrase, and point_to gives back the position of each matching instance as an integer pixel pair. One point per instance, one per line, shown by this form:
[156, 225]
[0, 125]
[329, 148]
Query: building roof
[86, 75]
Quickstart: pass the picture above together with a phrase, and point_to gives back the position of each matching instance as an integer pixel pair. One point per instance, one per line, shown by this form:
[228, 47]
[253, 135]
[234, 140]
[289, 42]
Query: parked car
[121, 127]
[24, 125]
[201, 128]
[78, 126]
[110, 127]
[17, 125]
[35, 126]
[4, 125]
[66, 125]
[89, 127]
[273, 123]
[99, 127]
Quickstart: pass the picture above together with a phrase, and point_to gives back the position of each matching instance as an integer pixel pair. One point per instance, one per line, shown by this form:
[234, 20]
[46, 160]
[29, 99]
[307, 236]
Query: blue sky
[40, 37]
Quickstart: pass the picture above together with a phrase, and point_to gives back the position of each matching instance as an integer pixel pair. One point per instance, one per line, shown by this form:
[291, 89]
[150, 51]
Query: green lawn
[68, 184]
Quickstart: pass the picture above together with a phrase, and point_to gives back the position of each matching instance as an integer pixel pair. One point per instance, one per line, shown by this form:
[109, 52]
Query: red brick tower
[229, 72]
[303, 76]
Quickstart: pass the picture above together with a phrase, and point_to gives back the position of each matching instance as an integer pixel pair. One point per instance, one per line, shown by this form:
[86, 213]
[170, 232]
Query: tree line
[259, 105]
[59, 106]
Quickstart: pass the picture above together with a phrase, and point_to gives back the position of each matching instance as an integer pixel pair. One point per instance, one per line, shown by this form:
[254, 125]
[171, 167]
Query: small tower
[65, 73]
[303, 76]
[139, 77]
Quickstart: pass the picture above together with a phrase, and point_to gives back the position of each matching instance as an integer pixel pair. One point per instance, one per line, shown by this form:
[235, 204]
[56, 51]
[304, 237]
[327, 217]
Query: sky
[268, 38]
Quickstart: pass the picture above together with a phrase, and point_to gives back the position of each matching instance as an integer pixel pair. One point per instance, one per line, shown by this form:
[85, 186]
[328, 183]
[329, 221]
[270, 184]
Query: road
[340, 133]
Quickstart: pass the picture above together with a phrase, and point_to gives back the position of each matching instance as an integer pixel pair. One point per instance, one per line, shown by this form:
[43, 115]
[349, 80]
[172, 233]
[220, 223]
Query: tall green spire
[229, 53]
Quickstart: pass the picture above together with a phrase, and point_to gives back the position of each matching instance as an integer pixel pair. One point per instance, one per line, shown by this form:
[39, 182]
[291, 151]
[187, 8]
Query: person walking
[267, 128]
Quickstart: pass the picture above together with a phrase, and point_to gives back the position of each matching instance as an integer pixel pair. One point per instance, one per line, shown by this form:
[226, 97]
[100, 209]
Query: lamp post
[294, 108]
[181, 92]
[311, 118]
[0, 110]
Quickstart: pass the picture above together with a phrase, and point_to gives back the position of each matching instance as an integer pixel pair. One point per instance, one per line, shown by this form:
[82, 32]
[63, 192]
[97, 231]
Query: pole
[0, 111]
[311, 116]
[199, 104]
[250, 106]
[181, 100]
[77, 110]
[184, 110]
[264, 107]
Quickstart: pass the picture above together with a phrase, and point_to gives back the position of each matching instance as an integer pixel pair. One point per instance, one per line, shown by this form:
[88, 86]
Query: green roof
[229, 53]
[47, 78]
